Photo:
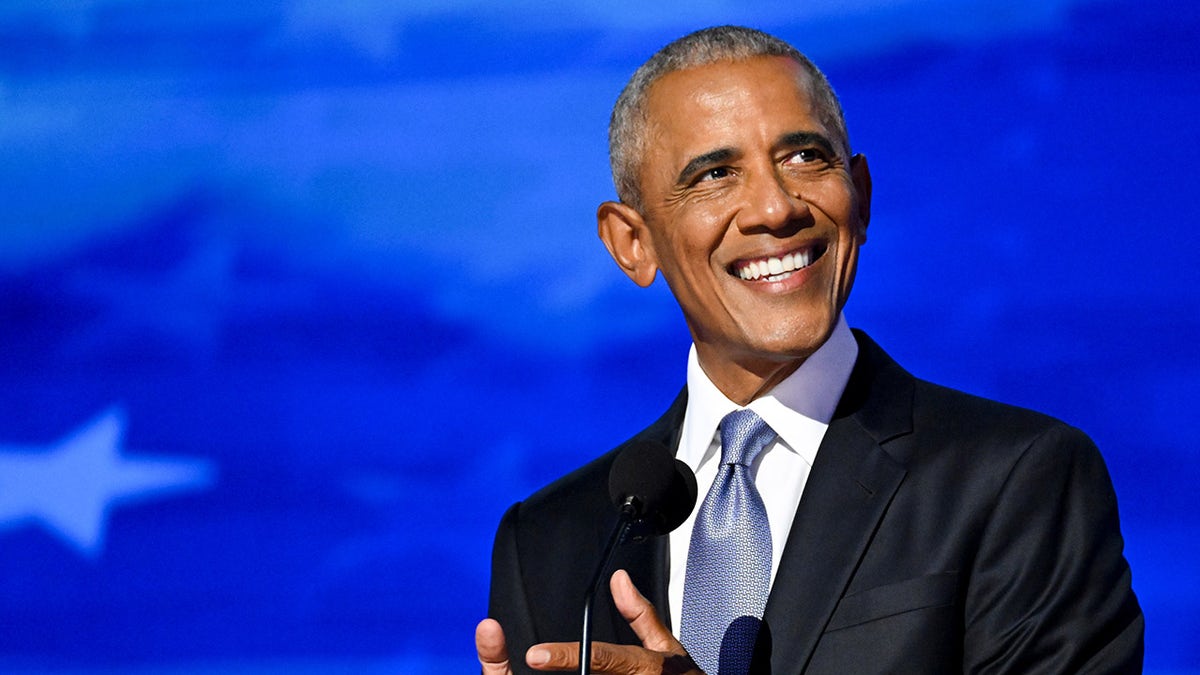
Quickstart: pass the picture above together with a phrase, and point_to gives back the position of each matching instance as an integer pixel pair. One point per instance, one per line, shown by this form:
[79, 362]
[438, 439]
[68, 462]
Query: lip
[778, 267]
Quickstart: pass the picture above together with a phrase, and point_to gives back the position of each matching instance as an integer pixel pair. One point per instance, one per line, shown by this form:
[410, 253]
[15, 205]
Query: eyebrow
[798, 139]
[699, 162]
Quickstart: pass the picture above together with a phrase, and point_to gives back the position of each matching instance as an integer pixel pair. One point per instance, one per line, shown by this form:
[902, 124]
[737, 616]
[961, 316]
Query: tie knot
[743, 436]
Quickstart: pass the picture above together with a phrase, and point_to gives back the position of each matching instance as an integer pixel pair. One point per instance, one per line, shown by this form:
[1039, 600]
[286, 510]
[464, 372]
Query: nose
[771, 204]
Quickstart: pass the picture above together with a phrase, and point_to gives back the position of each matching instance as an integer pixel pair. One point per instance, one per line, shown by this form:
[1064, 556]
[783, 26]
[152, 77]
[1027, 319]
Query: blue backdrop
[295, 295]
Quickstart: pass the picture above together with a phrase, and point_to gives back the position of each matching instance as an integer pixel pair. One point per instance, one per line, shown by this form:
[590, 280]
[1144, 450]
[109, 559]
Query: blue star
[70, 487]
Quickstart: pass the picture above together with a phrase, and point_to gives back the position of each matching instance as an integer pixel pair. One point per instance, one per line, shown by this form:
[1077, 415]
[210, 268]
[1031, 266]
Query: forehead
[714, 103]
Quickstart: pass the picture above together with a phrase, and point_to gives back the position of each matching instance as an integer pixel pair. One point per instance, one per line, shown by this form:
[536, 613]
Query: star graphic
[70, 487]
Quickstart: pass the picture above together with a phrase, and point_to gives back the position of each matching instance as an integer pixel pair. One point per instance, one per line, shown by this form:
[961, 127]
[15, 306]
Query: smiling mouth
[777, 268]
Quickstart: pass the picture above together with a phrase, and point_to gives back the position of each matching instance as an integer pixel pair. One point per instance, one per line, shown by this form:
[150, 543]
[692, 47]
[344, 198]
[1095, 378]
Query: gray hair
[627, 128]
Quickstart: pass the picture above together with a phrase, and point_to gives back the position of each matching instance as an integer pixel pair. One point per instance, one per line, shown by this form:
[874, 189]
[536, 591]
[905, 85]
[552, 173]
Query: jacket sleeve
[508, 602]
[1050, 590]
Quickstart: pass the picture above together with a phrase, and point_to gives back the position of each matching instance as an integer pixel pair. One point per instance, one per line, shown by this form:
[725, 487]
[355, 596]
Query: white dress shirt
[798, 409]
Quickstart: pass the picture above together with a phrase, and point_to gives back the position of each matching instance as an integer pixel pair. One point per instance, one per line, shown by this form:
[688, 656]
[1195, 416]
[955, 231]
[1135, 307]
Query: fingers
[660, 653]
[642, 617]
[608, 659]
[489, 644]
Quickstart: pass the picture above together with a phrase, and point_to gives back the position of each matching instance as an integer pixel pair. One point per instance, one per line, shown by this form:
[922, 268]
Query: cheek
[848, 264]
[686, 274]
[841, 210]
[694, 239]
[836, 199]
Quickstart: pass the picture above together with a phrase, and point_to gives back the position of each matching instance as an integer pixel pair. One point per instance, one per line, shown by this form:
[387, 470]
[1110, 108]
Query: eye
[715, 173]
[806, 156]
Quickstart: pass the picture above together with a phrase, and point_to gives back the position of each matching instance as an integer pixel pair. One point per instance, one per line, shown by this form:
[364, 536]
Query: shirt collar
[799, 408]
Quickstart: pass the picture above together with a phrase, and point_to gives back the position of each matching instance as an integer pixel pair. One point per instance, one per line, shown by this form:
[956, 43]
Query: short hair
[627, 127]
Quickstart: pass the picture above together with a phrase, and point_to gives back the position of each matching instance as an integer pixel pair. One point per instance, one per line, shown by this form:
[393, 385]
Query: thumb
[642, 617]
[489, 644]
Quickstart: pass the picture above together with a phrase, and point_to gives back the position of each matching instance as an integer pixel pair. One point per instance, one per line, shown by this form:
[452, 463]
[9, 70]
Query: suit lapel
[667, 431]
[648, 561]
[851, 484]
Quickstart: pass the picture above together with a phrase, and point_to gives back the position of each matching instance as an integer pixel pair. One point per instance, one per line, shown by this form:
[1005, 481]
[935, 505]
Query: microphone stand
[628, 513]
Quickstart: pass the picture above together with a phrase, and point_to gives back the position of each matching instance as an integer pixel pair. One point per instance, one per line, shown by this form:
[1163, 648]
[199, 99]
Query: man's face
[752, 213]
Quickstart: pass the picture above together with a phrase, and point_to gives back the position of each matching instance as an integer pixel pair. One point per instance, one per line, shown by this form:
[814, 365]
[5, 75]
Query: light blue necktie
[729, 561]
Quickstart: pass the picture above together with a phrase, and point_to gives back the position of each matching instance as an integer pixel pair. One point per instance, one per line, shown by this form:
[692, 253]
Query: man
[886, 524]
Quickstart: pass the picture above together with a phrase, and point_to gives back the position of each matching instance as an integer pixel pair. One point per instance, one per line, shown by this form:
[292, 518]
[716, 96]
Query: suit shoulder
[579, 484]
[938, 402]
[976, 423]
[588, 484]
[890, 402]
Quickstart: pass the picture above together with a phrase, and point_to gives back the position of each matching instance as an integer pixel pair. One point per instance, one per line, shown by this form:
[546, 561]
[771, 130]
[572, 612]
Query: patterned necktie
[729, 561]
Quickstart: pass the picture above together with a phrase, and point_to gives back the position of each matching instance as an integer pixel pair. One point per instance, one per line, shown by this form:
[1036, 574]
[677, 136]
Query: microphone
[653, 493]
[658, 490]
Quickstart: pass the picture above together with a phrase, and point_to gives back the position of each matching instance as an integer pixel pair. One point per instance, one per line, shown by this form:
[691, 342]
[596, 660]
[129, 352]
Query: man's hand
[660, 653]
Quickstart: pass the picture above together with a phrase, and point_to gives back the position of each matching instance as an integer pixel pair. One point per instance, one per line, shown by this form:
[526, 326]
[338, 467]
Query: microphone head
[660, 488]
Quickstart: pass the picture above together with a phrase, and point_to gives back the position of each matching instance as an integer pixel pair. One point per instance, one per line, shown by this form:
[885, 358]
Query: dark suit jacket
[938, 533]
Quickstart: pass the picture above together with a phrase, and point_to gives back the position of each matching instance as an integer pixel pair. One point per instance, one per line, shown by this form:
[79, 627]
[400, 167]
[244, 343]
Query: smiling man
[854, 519]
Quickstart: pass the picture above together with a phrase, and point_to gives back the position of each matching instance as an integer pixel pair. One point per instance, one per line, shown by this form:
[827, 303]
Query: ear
[860, 173]
[625, 235]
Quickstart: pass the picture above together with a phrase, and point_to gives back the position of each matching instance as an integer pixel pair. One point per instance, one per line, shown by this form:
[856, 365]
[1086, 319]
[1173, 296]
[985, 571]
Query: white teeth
[773, 267]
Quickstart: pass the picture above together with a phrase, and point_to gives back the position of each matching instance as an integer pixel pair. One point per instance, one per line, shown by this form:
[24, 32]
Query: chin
[800, 337]
[791, 346]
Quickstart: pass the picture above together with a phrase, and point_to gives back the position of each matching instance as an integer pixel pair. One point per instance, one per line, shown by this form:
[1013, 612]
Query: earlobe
[624, 233]
[860, 173]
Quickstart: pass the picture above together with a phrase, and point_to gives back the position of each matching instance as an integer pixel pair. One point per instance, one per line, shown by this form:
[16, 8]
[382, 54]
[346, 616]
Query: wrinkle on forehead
[721, 104]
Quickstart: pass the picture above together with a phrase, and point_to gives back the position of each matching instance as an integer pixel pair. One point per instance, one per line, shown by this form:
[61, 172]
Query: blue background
[297, 296]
